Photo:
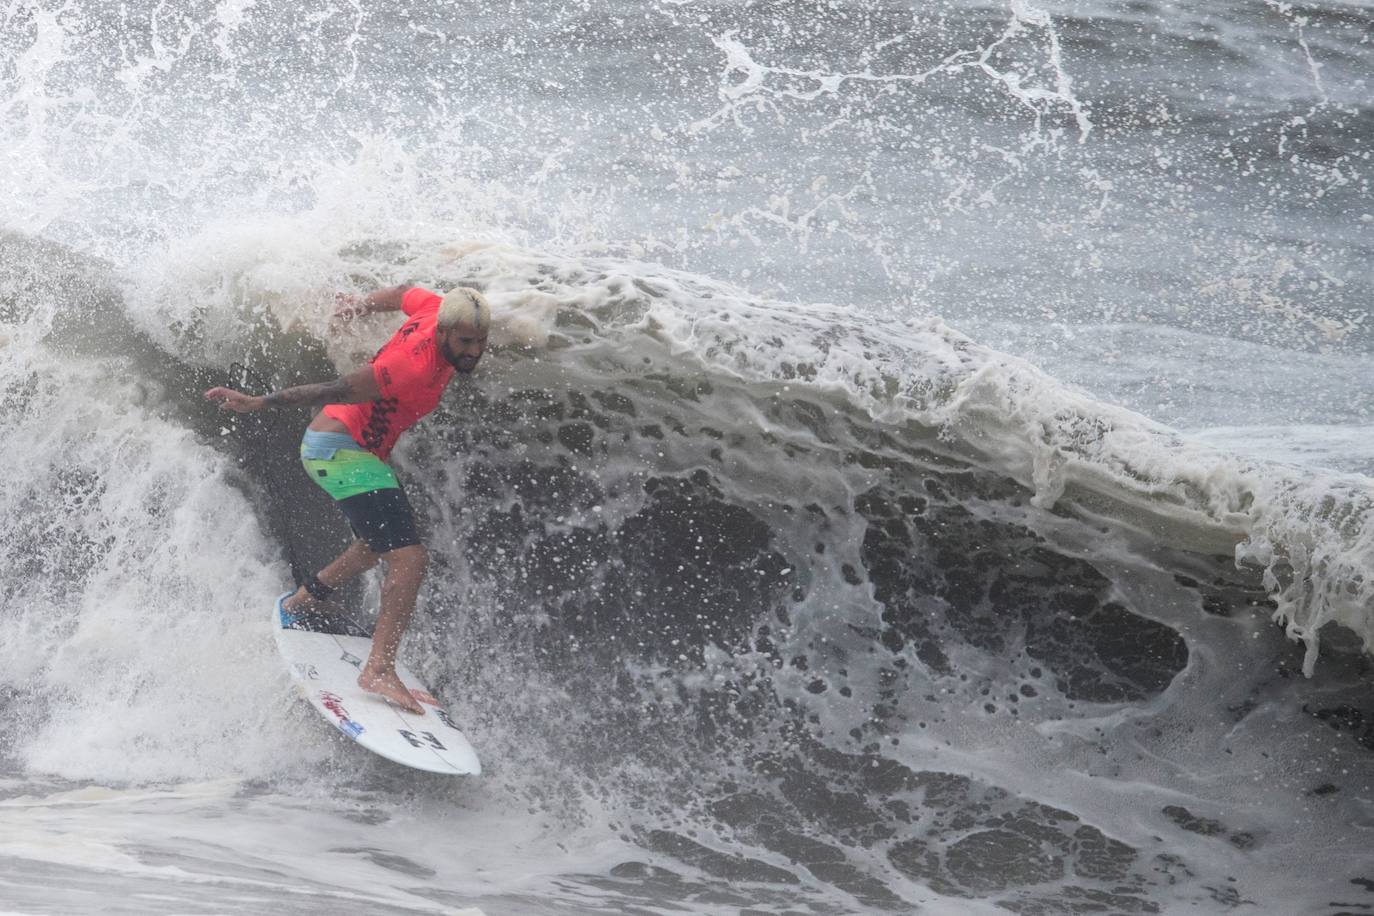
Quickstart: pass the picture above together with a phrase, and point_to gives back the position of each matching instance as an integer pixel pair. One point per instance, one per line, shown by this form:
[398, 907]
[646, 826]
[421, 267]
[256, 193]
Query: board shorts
[365, 488]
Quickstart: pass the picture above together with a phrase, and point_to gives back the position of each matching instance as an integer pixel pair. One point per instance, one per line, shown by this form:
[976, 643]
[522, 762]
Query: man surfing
[345, 448]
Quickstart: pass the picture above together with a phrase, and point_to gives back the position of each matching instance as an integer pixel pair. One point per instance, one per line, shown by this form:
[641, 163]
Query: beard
[463, 364]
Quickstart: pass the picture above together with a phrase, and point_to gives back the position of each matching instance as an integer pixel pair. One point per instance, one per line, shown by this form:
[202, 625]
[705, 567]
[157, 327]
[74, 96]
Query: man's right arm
[354, 388]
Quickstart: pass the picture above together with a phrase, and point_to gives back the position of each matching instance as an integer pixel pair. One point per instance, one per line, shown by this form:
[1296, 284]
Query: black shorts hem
[382, 519]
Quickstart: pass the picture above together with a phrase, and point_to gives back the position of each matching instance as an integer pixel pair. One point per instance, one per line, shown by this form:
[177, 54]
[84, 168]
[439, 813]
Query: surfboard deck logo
[324, 653]
[333, 703]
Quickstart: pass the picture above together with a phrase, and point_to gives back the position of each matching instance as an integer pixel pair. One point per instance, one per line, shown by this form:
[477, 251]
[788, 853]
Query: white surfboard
[324, 661]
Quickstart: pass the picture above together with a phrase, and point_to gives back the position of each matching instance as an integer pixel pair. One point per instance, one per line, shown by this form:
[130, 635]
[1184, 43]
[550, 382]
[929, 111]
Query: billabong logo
[307, 671]
[334, 703]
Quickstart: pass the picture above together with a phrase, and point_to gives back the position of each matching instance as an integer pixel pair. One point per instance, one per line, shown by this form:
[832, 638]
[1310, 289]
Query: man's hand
[348, 306]
[237, 401]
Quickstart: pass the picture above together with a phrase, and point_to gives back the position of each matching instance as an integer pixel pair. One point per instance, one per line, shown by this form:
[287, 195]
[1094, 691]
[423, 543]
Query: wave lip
[1306, 530]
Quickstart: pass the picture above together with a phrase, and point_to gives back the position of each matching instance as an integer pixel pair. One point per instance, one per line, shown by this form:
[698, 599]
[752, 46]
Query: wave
[853, 611]
[632, 339]
[625, 369]
[763, 566]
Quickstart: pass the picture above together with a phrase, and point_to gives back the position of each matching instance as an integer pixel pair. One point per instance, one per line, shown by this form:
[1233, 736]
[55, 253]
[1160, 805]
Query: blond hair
[462, 305]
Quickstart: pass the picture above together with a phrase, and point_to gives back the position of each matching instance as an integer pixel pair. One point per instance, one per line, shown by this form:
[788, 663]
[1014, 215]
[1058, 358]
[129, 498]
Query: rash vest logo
[379, 422]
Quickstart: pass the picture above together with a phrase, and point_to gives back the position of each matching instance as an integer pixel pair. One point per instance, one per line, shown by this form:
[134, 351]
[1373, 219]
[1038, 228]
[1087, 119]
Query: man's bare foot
[302, 601]
[389, 687]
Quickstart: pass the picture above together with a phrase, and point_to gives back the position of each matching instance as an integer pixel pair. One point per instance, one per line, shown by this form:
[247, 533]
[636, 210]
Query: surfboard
[324, 654]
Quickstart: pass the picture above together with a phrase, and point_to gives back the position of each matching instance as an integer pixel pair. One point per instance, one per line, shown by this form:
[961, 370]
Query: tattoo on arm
[335, 392]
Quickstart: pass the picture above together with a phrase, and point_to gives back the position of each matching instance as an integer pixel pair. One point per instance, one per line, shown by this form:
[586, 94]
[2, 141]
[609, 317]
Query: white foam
[132, 630]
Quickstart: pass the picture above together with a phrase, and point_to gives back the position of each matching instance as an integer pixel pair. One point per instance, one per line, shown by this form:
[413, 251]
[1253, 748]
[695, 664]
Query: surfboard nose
[287, 619]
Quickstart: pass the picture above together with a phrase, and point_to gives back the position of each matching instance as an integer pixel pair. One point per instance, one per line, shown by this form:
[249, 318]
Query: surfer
[346, 445]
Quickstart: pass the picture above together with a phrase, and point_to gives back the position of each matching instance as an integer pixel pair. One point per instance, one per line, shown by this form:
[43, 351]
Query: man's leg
[357, 559]
[405, 568]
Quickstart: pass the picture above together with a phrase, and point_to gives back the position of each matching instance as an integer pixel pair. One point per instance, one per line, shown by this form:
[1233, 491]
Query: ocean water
[923, 465]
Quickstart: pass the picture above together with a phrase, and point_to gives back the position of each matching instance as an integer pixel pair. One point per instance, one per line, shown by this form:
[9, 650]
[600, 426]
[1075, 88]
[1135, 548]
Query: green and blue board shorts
[365, 488]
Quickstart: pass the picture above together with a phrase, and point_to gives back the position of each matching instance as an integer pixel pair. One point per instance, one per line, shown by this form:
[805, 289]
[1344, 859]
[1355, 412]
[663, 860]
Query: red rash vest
[411, 373]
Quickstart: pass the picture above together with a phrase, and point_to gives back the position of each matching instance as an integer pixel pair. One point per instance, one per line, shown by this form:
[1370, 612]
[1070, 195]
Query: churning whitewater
[921, 464]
